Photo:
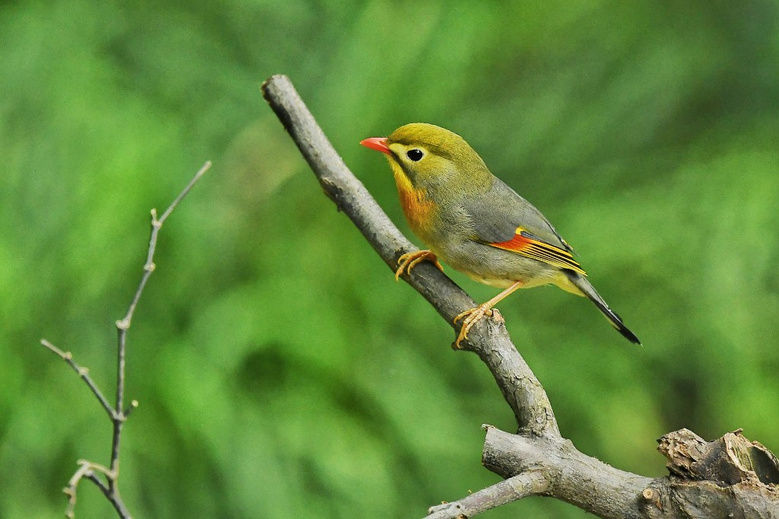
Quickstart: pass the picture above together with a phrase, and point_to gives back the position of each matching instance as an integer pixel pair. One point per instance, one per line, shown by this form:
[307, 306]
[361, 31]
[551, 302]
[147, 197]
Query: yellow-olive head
[428, 157]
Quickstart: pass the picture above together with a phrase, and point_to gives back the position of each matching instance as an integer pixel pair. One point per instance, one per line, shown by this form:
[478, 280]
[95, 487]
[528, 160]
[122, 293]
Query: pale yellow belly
[548, 278]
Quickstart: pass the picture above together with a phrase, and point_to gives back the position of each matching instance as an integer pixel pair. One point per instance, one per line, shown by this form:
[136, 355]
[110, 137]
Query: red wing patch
[538, 250]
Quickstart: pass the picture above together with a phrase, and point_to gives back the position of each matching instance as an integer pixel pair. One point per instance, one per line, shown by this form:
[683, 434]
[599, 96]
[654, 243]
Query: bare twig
[537, 460]
[530, 483]
[118, 413]
[83, 373]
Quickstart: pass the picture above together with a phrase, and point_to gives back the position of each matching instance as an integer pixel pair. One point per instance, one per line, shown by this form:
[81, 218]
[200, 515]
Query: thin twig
[156, 225]
[118, 413]
[522, 485]
[124, 324]
[70, 490]
[83, 373]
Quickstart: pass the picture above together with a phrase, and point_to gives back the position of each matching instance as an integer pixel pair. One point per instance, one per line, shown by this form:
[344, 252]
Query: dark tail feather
[586, 287]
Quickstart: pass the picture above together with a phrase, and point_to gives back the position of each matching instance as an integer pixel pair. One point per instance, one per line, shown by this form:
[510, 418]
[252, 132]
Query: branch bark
[537, 460]
[489, 338]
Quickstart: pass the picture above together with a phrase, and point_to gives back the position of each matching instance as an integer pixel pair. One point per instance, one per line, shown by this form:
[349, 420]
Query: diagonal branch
[489, 338]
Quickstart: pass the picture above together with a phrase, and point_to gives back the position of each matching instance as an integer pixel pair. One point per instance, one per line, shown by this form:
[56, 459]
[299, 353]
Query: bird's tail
[583, 284]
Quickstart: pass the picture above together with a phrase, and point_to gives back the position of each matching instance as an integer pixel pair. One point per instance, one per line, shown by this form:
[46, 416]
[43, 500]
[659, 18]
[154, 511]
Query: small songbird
[477, 224]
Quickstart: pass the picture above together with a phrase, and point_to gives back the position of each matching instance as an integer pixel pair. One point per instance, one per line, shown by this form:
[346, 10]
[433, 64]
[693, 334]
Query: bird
[475, 223]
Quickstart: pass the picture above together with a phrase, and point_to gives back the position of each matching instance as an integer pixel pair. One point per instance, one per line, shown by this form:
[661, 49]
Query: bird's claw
[471, 317]
[410, 260]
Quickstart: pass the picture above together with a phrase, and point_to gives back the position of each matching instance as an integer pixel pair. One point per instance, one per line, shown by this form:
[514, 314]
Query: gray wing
[498, 212]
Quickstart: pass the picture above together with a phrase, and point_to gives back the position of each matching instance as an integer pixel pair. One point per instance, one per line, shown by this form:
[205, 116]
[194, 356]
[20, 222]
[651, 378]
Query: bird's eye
[415, 154]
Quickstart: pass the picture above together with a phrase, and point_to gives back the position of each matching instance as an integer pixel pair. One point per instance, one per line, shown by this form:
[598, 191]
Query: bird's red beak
[376, 143]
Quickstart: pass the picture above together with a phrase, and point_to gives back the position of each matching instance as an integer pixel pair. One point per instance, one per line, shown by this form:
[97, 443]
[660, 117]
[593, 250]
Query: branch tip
[129, 409]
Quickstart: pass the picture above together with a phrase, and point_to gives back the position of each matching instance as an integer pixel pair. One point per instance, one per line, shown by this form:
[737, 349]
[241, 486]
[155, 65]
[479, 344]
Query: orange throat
[416, 206]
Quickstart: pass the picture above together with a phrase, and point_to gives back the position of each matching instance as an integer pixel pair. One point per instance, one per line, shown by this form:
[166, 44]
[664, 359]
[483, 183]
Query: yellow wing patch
[538, 250]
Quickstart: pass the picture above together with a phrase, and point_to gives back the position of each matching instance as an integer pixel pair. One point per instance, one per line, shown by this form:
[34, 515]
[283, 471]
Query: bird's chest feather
[420, 211]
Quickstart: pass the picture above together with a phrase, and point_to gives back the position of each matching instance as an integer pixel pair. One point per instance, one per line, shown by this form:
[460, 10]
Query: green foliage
[281, 371]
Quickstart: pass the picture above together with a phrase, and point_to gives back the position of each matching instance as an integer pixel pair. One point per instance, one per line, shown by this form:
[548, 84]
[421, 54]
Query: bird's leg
[410, 259]
[474, 315]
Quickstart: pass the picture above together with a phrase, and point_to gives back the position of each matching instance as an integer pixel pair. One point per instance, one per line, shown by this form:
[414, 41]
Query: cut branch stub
[728, 460]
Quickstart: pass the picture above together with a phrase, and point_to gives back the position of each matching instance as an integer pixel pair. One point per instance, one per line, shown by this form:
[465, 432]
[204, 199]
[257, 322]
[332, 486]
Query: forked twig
[118, 413]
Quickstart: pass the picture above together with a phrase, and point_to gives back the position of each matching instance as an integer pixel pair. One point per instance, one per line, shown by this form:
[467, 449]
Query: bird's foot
[410, 260]
[471, 317]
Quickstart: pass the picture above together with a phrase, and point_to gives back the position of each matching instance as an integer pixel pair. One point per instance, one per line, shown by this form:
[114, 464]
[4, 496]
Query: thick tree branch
[537, 460]
[575, 477]
[488, 338]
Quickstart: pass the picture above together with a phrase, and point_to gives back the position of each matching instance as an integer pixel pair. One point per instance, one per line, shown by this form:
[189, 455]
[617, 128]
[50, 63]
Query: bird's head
[429, 157]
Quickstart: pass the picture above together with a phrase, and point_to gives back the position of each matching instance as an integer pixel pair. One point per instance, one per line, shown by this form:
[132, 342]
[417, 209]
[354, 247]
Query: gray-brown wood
[730, 477]
[489, 338]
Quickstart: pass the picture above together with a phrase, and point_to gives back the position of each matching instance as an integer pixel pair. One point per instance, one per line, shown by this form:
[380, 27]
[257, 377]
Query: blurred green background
[281, 371]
